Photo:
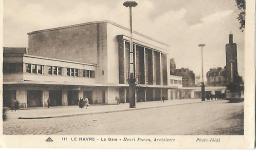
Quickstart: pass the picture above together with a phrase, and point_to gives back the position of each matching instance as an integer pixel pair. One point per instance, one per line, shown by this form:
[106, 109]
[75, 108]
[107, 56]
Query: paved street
[216, 117]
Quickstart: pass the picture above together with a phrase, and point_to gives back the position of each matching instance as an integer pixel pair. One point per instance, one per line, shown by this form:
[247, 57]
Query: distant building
[175, 81]
[90, 60]
[231, 61]
[197, 81]
[216, 77]
[172, 66]
[175, 86]
[188, 76]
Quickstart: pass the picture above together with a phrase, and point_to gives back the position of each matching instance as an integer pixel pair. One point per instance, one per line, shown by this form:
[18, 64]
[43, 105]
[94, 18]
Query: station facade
[85, 60]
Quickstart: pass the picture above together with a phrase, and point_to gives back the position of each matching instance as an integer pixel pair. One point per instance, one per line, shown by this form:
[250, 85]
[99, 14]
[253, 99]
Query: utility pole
[131, 70]
[202, 74]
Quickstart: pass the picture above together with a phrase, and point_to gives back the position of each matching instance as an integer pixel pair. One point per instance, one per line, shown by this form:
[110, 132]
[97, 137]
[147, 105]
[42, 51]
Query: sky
[182, 24]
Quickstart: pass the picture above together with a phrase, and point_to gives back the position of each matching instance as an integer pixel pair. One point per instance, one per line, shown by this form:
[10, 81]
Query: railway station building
[84, 60]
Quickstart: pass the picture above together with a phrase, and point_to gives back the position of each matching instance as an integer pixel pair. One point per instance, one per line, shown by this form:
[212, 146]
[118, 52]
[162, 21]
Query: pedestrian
[117, 100]
[16, 105]
[48, 103]
[209, 96]
[81, 103]
[12, 104]
[5, 109]
[213, 95]
[86, 102]
[163, 98]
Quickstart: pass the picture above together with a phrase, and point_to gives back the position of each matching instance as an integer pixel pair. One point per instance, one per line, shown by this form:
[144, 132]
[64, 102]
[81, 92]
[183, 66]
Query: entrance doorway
[141, 95]
[122, 95]
[171, 94]
[88, 94]
[149, 94]
[34, 98]
[8, 97]
[73, 97]
[55, 97]
[103, 97]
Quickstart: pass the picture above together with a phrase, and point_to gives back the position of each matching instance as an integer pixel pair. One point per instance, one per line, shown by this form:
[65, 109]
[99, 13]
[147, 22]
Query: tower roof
[231, 38]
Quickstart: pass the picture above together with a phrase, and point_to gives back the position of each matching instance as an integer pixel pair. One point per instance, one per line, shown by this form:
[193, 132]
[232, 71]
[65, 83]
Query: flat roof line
[54, 59]
[96, 22]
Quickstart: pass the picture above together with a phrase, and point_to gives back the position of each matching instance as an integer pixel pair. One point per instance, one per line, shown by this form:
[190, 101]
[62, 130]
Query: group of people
[212, 96]
[83, 103]
[163, 98]
[14, 105]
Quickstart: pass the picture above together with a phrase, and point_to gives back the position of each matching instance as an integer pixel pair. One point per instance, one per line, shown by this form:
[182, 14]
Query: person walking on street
[16, 105]
[86, 102]
[48, 103]
[163, 98]
[117, 100]
[81, 103]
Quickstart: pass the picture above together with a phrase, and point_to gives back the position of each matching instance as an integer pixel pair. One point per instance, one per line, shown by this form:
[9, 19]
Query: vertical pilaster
[192, 94]
[63, 72]
[24, 68]
[168, 69]
[177, 94]
[64, 97]
[161, 70]
[45, 97]
[145, 68]
[136, 65]
[125, 92]
[125, 66]
[154, 67]
[154, 94]
[81, 71]
[81, 92]
[45, 70]
[161, 93]
[145, 98]
[21, 97]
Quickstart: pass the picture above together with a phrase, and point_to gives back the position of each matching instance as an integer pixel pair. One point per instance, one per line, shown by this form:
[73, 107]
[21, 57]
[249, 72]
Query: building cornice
[97, 22]
[145, 44]
[59, 60]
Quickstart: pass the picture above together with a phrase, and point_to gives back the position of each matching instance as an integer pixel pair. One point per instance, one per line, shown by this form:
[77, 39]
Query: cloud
[215, 17]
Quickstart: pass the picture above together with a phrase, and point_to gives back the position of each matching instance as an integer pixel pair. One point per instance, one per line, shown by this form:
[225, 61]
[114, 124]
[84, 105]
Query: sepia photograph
[125, 67]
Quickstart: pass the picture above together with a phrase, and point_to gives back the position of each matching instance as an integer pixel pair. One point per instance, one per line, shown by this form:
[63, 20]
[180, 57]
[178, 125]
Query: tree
[241, 4]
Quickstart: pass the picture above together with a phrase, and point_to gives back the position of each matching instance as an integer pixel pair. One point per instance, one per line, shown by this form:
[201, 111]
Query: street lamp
[131, 78]
[202, 78]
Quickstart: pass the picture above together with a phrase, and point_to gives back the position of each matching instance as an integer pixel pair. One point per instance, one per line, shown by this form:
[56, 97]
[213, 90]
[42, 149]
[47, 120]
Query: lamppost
[132, 74]
[202, 77]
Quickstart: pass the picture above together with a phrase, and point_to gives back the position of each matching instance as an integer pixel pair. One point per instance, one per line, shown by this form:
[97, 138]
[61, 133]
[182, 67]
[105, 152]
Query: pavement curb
[104, 112]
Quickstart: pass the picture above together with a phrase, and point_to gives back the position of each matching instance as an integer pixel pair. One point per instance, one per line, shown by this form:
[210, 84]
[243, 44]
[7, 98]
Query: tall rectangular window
[59, 71]
[34, 68]
[39, 69]
[28, 68]
[72, 71]
[76, 72]
[68, 71]
[50, 70]
[55, 70]
[92, 74]
[86, 73]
